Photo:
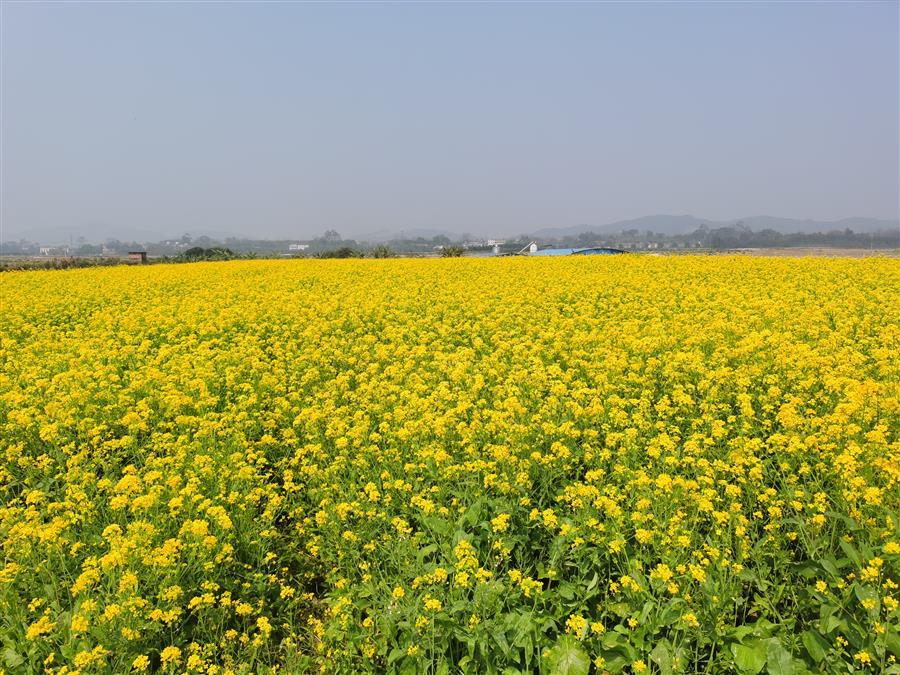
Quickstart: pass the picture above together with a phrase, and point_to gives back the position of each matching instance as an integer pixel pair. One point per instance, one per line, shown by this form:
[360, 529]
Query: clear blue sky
[286, 119]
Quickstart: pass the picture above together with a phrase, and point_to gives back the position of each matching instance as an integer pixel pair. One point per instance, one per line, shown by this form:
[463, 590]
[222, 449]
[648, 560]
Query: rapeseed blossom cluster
[614, 464]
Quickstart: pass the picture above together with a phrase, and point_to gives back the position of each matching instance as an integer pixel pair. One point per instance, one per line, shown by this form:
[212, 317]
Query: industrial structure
[533, 250]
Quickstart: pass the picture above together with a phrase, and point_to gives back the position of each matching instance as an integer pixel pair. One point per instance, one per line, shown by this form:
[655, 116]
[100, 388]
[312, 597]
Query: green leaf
[423, 553]
[849, 522]
[750, 658]
[522, 626]
[862, 594]
[615, 663]
[610, 640]
[619, 609]
[12, 658]
[439, 526]
[502, 642]
[741, 632]
[472, 514]
[671, 613]
[816, 645]
[833, 622]
[662, 657]
[807, 570]
[568, 657]
[830, 567]
[851, 552]
[566, 591]
[778, 659]
[893, 643]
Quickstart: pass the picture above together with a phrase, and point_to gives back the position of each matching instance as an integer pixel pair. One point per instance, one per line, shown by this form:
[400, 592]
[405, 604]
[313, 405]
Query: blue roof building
[593, 250]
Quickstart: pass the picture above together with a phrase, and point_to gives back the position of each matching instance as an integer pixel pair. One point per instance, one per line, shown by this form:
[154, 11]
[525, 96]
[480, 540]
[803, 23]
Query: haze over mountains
[668, 224]
[660, 223]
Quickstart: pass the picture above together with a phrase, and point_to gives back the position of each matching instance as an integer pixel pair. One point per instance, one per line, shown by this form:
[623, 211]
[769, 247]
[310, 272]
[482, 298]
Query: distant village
[332, 244]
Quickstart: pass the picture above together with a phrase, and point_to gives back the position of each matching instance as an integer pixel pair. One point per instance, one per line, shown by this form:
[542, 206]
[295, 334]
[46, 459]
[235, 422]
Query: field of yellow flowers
[623, 464]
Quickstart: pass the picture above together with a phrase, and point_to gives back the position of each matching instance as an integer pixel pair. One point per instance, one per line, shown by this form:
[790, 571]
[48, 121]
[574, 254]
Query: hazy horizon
[284, 120]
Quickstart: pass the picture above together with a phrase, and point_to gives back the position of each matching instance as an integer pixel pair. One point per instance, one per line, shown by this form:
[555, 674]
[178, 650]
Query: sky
[287, 119]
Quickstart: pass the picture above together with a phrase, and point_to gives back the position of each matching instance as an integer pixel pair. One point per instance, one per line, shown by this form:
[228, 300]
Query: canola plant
[610, 464]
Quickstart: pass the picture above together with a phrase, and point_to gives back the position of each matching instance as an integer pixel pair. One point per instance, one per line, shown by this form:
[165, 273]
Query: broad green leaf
[522, 627]
[893, 643]
[778, 659]
[741, 632]
[807, 570]
[472, 514]
[833, 622]
[423, 553]
[568, 657]
[611, 640]
[851, 552]
[862, 594]
[12, 659]
[662, 657]
[672, 612]
[750, 658]
[529, 651]
[851, 524]
[816, 645]
[501, 640]
[830, 567]
[566, 591]
[615, 663]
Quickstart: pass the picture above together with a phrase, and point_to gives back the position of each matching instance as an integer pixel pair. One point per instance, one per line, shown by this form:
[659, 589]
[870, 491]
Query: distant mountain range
[667, 224]
[662, 224]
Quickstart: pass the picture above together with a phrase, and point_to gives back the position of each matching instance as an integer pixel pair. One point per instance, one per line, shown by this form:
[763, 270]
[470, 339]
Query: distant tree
[331, 236]
[382, 251]
[343, 252]
[88, 249]
[200, 253]
[451, 251]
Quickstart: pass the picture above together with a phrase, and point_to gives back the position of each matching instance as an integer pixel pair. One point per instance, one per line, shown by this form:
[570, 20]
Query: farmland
[623, 464]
